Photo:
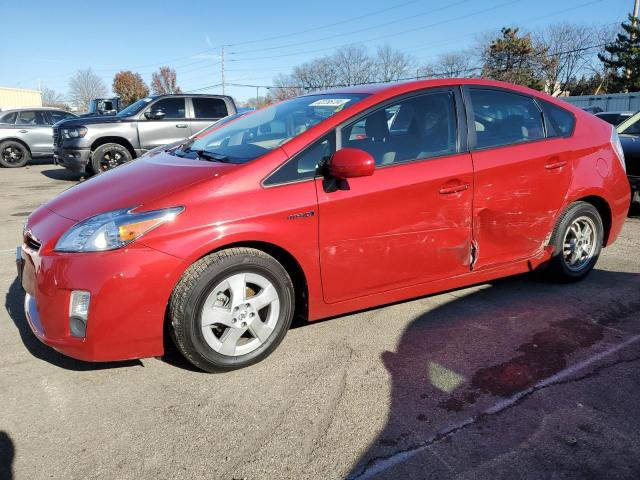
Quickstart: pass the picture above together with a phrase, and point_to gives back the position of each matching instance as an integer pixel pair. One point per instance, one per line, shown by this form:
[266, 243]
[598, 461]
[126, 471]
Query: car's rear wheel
[577, 241]
[109, 156]
[13, 154]
[231, 309]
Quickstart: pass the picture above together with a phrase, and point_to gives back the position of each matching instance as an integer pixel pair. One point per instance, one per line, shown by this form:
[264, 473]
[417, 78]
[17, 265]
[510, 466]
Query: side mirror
[154, 114]
[350, 163]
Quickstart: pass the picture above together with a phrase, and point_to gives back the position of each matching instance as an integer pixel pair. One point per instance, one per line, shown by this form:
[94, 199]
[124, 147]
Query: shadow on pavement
[14, 304]
[7, 454]
[62, 174]
[444, 369]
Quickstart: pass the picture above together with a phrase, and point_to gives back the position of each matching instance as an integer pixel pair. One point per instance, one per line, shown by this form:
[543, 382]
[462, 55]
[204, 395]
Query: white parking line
[386, 463]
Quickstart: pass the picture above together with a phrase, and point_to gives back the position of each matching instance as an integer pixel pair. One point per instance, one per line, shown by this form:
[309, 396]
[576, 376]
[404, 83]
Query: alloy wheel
[240, 314]
[110, 159]
[12, 155]
[579, 244]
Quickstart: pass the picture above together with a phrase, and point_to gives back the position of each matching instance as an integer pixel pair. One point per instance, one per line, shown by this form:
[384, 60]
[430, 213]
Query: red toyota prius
[316, 206]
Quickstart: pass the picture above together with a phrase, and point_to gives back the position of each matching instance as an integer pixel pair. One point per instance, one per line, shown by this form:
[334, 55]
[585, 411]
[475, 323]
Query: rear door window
[173, 108]
[502, 118]
[32, 117]
[209, 108]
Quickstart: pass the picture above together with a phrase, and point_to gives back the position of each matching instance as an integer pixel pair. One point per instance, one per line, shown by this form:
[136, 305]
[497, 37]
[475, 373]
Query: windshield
[257, 133]
[135, 107]
[631, 126]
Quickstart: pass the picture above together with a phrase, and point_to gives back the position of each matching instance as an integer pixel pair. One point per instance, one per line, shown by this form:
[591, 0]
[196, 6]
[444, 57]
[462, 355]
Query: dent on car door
[410, 222]
[521, 175]
[33, 127]
[173, 126]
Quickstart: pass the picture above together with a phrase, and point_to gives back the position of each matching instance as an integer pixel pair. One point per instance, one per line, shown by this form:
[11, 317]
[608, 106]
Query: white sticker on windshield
[330, 102]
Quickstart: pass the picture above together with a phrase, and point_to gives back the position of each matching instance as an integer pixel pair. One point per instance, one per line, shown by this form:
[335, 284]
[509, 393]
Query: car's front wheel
[231, 309]
[108, 156]
[577, 241]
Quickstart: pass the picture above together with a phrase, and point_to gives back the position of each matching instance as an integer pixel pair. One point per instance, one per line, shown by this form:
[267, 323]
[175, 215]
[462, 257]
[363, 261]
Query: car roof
[20, 109]
[391, 89]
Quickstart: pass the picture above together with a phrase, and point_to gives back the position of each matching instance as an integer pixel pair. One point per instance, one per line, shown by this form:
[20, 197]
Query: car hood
[134, 184]
[84, 121]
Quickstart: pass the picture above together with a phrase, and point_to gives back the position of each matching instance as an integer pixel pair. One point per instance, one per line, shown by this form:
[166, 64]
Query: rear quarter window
[559, 122]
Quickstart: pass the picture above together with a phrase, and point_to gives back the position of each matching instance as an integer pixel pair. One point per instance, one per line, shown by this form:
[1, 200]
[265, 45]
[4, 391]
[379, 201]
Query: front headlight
[75, 132]
[112, 230]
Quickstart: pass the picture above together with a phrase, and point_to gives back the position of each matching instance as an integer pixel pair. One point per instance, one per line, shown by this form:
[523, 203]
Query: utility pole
[222, 69]
[257, 96]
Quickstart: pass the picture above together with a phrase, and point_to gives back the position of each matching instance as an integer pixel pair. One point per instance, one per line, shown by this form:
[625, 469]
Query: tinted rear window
[209, 108]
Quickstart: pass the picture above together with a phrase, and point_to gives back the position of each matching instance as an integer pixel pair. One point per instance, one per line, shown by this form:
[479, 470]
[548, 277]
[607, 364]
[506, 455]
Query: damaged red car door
[522, 174]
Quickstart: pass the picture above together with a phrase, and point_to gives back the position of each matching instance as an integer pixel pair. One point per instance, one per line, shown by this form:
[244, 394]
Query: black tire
[109, 156]
[14, 154]
[560, 269]
[195, 286]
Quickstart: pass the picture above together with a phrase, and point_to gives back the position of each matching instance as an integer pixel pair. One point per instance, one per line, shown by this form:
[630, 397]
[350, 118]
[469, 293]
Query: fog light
[79, 312]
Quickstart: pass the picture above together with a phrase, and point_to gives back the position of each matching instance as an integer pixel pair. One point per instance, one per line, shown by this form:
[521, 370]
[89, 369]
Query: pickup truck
[26, 133]
[96, 144]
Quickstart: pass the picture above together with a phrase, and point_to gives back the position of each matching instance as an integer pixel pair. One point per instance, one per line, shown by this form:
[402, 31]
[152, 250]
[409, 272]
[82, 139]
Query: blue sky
[47, 41]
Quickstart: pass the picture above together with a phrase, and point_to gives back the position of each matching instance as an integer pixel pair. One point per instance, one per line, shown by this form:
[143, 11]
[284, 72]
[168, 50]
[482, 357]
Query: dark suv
[96, 144]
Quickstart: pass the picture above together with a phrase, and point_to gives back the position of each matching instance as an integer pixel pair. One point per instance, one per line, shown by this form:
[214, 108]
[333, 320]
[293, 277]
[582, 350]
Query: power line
[403, 32]
[300, 32]
[353, 32]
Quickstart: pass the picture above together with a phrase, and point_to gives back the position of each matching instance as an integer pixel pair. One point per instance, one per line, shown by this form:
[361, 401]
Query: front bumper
[129, 288]
[74, 159]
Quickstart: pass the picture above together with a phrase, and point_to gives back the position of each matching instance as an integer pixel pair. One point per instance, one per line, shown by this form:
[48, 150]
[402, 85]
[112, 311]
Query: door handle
[454, 189]
[554, 165]
[181, 125]
[23, 131]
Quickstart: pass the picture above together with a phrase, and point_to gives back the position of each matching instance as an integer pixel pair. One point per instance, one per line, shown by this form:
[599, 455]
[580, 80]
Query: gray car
[97, 144]
[27, 133]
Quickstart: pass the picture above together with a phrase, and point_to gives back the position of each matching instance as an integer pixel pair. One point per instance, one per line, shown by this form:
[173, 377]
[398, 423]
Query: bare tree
[284, 87]
[317, 74]
[353, 66]
[51, 98]
[455, 64]
[391, 65]
[164, 81]
[565, 44]
[84, 86]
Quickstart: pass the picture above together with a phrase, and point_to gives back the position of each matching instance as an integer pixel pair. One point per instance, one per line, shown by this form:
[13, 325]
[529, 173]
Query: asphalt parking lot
[517, 378]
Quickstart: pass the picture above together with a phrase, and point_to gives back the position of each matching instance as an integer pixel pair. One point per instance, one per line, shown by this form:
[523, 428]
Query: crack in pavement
[379, 464]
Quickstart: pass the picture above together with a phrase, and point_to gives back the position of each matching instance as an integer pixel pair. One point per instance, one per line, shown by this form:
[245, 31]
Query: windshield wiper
[208, 155]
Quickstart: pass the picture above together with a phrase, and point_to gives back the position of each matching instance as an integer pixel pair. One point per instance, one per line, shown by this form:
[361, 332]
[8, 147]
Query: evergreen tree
[623, 58]
[514, 58]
